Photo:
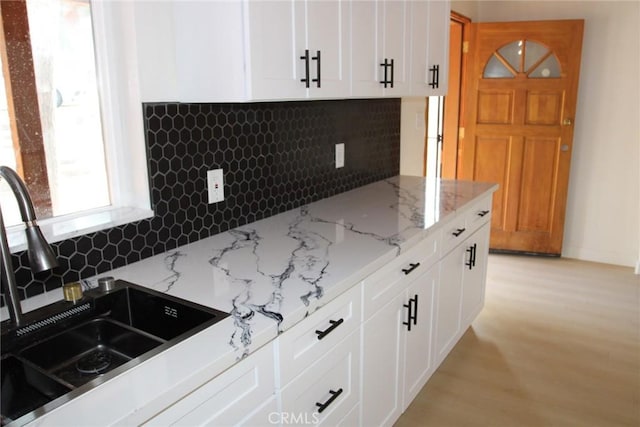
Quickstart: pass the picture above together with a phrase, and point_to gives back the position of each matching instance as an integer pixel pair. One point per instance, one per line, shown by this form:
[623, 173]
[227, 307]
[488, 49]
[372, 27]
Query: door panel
[492, 165]
[538, 190]
[495, 107]
[522, 89]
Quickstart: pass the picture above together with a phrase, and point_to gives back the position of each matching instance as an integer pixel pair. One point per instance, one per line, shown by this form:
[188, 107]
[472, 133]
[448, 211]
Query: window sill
[74, 225]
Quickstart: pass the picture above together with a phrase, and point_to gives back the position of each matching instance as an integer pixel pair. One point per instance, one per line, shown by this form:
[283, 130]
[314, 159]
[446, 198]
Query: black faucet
[41, 256]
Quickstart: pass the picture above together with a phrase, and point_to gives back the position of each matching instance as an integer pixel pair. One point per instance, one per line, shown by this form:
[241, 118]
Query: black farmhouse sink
[67, 348]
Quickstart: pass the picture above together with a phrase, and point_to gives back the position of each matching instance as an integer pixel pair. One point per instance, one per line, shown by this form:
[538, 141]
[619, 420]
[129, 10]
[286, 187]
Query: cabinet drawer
[312, 338]
[224, 400]
[333, 382]
[386, 283]
[479, 214]
[454, 232]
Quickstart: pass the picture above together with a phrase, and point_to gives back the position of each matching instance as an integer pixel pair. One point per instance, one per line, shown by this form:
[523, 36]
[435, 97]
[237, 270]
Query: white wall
[603, 211]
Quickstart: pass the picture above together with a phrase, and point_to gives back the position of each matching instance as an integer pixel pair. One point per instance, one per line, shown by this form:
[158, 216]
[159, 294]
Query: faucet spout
[41, 256]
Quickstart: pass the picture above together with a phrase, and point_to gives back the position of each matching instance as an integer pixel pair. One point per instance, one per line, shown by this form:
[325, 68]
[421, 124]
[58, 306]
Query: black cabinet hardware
[412, 266]
[412, 317]
[458, 231]
[325, 405]
[305, 58]
[317, 59]
[482, 213]
[435, 77]
[415, 308]
[472, 256]
[334, 324]
[408, 306]
[388, 76]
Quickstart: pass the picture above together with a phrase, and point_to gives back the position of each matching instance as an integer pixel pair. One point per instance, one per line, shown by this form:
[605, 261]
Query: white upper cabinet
[430, 47]
[297, 49]
[380, 47]
[252, 50]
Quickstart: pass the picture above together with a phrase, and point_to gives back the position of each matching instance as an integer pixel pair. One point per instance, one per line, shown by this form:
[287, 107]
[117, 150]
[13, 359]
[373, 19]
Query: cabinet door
[429, 47]
[274, 50]
[366, 49]
[382, 360]
[327, 31]
[419, 354]
[448, 295]
[474, 277]
[396, 27]
[439, 18]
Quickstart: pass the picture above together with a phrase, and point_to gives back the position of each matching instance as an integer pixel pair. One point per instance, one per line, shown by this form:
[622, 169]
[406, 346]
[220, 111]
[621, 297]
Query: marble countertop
[271, 274]
[268, 275]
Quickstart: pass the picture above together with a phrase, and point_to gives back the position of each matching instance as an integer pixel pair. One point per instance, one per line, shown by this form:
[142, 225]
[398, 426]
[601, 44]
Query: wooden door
[521, 102]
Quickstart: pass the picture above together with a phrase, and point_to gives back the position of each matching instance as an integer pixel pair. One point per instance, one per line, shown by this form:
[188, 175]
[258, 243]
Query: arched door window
[526, 57]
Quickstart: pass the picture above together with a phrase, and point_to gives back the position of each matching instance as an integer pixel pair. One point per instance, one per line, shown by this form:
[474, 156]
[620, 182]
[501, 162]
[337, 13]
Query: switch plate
[215, 185]
[339, 156]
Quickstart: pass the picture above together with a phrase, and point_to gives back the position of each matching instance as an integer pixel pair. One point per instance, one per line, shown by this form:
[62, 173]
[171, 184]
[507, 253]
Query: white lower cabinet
[242, 395]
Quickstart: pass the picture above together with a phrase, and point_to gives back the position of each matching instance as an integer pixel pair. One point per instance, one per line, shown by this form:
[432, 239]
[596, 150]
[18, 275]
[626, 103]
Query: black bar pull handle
[325, 405]
[435, 76]
[334, 324]
[415, 309]
[412, 266]
[409, 306]
[473, 254]
[470, 262]
[458, 231]
[482, 213]
[385, 80]
[305, 58]
[316, 58]
[391, 73]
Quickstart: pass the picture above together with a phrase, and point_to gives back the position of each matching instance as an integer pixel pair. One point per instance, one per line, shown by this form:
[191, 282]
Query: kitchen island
[276, 275]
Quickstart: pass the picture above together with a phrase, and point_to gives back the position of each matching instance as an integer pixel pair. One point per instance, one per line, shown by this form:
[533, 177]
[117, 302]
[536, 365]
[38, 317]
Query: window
[70, 118]
[524, 57]
[68, 148]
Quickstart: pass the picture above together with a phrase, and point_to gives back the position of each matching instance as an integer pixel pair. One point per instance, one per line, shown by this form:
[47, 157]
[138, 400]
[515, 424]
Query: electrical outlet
[215, 185]
[339, 155]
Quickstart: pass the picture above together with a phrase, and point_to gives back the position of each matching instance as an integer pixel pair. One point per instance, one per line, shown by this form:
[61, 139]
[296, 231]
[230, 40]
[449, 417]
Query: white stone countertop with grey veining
[272, 273]
[268, 275]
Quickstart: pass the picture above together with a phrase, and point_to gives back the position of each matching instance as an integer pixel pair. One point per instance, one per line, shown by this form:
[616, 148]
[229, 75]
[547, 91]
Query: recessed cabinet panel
[383, 344]
[275, 42]
[327, 28]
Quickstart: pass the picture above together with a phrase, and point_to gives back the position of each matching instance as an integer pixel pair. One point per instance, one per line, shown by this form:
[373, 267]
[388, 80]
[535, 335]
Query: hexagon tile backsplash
[275, 157]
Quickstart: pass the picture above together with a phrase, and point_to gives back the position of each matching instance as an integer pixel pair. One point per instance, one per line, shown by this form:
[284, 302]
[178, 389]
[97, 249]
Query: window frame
[114, 28]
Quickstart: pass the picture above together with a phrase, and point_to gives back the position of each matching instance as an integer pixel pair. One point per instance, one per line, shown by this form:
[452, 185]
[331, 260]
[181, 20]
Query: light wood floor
[557, 344]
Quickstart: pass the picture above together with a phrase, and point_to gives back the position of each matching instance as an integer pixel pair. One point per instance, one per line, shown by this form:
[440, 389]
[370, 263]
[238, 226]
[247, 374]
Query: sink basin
[67, 349]
[89, 350]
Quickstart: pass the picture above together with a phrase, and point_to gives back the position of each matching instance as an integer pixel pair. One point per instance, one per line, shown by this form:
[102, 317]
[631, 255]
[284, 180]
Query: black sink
[67, 348]
[89, 350]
